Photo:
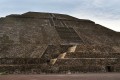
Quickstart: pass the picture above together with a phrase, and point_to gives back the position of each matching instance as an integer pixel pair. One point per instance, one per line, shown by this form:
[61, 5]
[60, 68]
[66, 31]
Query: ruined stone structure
[56, 43]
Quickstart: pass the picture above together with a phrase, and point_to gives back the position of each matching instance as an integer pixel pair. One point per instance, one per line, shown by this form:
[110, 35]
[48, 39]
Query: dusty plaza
[82, 76]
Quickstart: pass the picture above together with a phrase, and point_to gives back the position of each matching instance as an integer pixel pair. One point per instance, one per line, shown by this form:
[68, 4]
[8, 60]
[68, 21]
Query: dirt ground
[82, 76]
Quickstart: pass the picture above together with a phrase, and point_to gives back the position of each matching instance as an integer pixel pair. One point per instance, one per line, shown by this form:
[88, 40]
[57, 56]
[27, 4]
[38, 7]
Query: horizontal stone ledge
[88, 58]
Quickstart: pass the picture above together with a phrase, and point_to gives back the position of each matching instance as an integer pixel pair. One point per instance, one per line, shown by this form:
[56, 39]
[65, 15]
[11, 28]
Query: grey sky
[104, 12]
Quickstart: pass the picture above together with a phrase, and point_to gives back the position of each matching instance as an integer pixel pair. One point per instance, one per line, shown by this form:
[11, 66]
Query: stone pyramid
[36, 42]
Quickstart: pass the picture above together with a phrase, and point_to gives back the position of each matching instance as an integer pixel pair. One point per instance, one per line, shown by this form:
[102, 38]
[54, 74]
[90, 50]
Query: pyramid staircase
[76, 61]
[67, 34]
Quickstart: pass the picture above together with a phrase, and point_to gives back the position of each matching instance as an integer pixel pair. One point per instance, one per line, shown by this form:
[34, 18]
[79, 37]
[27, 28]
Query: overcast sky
[104, 12]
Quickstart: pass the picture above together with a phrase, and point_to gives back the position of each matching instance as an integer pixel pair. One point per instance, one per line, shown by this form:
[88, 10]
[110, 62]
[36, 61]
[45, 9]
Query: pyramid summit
[56, 43]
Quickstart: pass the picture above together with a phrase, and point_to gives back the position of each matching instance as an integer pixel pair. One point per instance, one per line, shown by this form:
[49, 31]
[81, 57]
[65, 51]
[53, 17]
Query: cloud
[100, 8]
[102, 11]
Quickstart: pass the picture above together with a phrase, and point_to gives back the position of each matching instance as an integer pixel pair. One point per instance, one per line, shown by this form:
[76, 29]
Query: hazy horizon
[103, 12]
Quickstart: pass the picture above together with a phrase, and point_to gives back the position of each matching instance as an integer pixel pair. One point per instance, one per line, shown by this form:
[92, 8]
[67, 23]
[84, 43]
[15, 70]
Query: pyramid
[36, 42]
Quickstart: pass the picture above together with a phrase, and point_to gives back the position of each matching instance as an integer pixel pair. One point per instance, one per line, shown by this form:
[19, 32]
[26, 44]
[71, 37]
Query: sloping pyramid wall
[55, 43]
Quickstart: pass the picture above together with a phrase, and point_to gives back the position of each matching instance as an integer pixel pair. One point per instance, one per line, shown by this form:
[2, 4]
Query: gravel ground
[87, 76]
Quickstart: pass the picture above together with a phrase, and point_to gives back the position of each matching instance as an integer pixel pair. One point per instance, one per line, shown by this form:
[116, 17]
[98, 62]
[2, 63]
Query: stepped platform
[92, 55]
[56, 43]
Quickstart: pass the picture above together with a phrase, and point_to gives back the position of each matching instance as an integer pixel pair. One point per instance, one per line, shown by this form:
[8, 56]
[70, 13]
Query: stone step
[92, 55]
[79, 69]
[87, 61]
[68, 34]
[94, 48]
[21, 61]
